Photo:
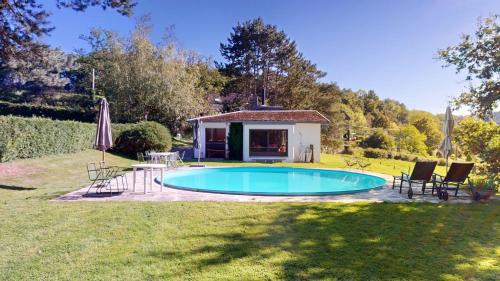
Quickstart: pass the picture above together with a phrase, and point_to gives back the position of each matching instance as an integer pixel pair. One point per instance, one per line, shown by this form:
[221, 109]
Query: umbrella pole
[103, 156]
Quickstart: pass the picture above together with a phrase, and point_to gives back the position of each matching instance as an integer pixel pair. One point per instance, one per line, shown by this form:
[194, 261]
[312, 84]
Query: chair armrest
[437, 177]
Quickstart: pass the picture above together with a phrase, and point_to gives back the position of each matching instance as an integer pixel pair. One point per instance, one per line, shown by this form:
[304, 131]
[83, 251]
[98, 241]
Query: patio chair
[99, 178]
[457, 175]
[180, 157]
[141, 158]
[421, 174]
[115, 172]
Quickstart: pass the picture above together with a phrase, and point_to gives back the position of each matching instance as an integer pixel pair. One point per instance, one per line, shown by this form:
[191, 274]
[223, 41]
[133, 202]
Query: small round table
[150, 167]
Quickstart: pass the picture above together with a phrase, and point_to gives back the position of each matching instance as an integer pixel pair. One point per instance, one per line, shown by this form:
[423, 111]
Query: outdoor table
[159, 155]
[150, 167]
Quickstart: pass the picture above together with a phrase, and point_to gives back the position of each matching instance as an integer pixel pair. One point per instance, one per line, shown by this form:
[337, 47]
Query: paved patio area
[384, 194]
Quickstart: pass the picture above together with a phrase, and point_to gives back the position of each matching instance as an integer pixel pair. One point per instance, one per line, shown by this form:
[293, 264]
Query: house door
[215, 142]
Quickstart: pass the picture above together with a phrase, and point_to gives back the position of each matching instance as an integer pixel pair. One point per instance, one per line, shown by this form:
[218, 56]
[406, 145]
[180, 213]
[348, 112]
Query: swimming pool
[277, 181]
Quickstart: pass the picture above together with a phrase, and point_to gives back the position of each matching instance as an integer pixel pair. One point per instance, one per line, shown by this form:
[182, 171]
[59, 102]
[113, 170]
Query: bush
[375, 153]
[407, 157]
[142, 137]
[34, 137]
[22, 137]
[378, 139]
[54, 112]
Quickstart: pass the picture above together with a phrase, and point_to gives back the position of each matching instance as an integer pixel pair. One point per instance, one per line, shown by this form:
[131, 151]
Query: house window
[269, 143]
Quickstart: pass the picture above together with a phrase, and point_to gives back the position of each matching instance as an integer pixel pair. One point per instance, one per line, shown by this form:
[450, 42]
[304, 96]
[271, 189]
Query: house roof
[297, 116]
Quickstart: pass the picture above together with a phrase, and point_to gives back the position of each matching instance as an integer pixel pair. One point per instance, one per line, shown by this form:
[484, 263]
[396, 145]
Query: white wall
[202, 137]
[305, 135]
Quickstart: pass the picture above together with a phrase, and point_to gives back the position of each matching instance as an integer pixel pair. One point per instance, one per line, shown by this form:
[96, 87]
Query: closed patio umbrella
[197, 136]
[103, 138]
[445, 147]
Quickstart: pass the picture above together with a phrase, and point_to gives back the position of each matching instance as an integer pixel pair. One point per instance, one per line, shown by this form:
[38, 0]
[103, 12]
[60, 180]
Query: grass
[43, 239]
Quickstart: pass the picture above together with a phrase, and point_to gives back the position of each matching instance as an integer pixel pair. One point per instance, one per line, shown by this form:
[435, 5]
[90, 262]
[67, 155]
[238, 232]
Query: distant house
[261, 135]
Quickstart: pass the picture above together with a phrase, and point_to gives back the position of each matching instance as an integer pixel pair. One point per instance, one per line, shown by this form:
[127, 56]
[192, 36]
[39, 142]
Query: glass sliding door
[268, 142]
[215, 142]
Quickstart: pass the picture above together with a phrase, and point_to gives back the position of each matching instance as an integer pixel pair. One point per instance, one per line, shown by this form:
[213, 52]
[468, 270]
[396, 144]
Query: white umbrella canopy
[446, 147]
[103, 137]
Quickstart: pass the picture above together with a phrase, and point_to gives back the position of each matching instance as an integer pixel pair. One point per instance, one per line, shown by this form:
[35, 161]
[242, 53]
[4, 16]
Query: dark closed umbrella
[103, 138]
[196, 137]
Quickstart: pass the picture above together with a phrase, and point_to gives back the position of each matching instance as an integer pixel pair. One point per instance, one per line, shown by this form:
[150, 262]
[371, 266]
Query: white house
[276, 135]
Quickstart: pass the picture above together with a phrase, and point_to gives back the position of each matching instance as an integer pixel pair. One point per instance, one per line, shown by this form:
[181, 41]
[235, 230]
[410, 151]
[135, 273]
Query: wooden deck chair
[457, 175]
[421, 174]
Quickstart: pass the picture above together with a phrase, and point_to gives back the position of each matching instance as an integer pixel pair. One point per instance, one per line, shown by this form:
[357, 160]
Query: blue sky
[387, 46]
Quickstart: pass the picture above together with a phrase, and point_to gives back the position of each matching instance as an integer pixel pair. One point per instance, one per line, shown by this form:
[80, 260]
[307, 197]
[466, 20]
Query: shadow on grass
[362, 242]
[18, 188]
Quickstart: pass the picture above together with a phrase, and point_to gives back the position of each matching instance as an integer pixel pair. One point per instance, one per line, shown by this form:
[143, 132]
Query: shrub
[375, 153]
[22, 137]
[54, 112]
[142, 137]
[379, 139]
[408, 157]
[34, 137]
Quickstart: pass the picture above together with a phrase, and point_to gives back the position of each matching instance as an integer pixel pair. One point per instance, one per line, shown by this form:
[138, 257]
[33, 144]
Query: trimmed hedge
[54, 112]
[142, 137]
[22, 137]
[35, 137]
[375, 153]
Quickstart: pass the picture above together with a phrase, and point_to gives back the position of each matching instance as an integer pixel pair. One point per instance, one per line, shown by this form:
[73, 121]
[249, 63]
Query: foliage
[24, 22]
[151, 82]
[142, 137]
[235, 141]
[379, 139]
[429, 125]
[410, 139]
[473, 135]
[260, 59]
[375, 153]
[491, 156]
[48, 70]
[35, 137]
[478, 56]
[53, 112]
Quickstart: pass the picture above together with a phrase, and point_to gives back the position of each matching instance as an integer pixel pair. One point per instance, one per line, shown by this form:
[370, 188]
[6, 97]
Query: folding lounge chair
[421, 174]
[457, 175]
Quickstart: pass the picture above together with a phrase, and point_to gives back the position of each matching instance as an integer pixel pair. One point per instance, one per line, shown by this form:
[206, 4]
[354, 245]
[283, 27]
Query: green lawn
[49, 240]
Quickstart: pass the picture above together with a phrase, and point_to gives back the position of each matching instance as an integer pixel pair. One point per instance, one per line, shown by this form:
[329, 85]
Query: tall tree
[143, 80]
[479, 57]
[262, 60]
[23, 22]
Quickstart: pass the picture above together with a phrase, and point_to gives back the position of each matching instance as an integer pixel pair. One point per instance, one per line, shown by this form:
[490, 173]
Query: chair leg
[423, 187]
[401, 186]
[126, 181]
[456, 190]
[393, 182]
[91, 185]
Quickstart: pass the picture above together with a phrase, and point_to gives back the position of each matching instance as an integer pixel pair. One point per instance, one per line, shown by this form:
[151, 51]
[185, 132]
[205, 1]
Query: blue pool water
[272, 181]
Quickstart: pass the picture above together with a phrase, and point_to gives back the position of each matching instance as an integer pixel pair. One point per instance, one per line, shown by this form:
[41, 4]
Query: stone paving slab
[384, 194]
